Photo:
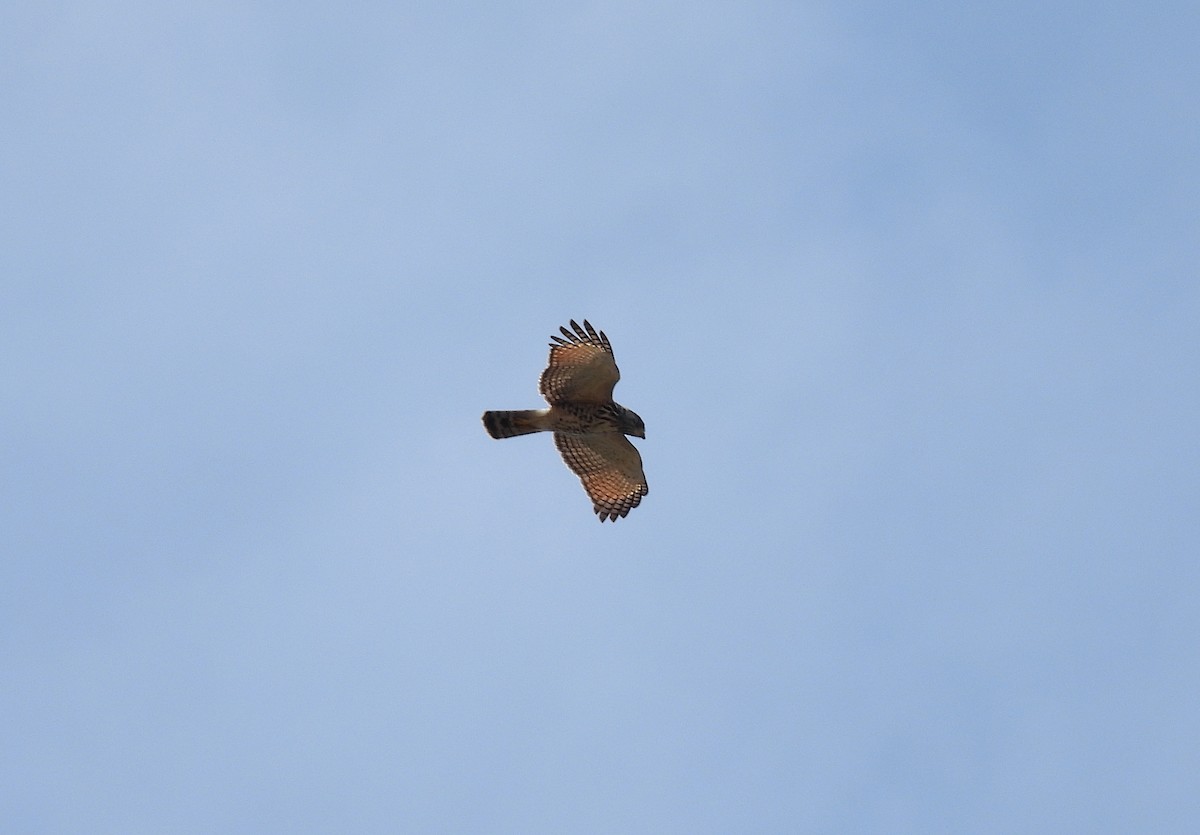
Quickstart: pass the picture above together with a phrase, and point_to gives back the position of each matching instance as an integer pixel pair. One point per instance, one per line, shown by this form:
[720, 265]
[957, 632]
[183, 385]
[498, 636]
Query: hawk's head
[631, 424]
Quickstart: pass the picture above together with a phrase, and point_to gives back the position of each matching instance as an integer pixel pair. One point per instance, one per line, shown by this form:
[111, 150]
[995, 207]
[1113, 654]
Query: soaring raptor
[589, 428]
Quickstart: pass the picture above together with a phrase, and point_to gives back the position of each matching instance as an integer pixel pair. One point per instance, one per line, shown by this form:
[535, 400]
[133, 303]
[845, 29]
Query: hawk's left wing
[610, 469]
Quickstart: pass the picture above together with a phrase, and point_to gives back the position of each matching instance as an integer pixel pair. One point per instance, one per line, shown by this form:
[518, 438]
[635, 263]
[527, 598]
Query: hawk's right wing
[581, 368]
[610, 469]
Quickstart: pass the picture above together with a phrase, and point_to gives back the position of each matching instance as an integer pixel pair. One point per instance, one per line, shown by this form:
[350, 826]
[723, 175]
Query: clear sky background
[908, 297]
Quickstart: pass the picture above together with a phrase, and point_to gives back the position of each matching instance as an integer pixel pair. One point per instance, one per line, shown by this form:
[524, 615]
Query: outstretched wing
[581, 369]
[610, 469]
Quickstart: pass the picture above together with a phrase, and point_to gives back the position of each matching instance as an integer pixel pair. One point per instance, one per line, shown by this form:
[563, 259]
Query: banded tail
[511, 424]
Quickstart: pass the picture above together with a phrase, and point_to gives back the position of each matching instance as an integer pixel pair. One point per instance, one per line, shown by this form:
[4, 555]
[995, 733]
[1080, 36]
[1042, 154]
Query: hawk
[589, 428]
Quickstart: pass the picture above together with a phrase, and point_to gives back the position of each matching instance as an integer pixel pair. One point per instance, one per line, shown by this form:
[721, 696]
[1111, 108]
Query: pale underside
[580, 378]
[589, 428]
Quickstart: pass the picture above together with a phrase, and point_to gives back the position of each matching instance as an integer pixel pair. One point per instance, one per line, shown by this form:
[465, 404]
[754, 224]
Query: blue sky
[908, 300]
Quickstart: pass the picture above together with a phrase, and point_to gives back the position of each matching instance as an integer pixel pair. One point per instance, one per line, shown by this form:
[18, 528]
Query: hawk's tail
[508, 424]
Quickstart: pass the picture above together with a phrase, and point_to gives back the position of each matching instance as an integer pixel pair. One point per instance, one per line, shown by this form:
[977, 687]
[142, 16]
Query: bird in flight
[589, 428]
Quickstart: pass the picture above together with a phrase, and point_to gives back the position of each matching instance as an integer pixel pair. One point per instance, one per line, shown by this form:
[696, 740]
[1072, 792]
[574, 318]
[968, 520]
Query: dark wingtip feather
[581, 334]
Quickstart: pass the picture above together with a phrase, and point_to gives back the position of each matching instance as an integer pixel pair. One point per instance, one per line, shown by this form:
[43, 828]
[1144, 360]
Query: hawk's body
[589, 428]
